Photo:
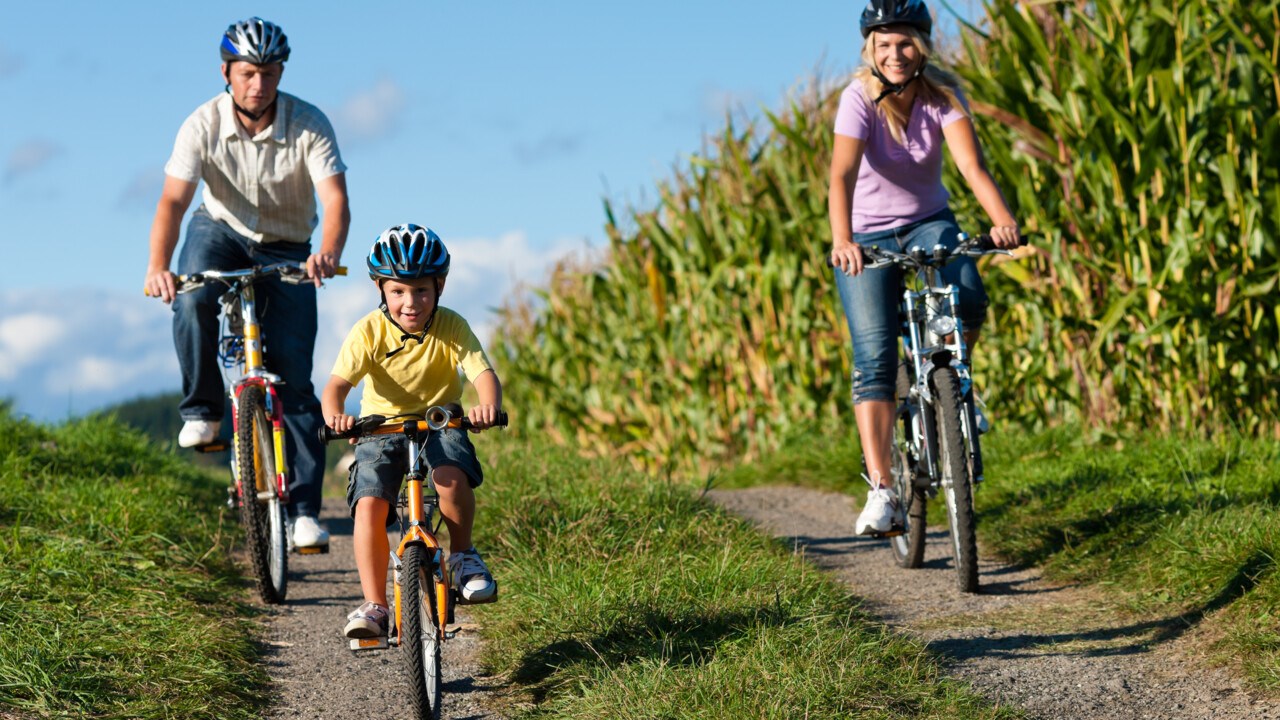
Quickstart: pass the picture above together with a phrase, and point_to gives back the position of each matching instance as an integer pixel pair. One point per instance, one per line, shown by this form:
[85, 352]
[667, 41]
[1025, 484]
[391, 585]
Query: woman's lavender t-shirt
[897, 184]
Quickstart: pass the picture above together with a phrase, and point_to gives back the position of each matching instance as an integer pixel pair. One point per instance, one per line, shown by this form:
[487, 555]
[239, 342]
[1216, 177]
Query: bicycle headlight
[942, 325]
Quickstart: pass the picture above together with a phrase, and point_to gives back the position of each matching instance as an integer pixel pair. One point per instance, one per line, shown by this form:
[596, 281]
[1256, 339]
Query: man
[264, 156]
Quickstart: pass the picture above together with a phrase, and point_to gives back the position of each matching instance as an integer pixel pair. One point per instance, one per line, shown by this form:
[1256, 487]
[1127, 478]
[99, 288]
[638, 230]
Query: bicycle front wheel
[261, 512]
[908, 548]
[957, 484]
[422, 632]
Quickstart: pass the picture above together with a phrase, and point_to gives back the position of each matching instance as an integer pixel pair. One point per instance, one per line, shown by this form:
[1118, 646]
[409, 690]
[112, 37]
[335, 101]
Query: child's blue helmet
[408, 252]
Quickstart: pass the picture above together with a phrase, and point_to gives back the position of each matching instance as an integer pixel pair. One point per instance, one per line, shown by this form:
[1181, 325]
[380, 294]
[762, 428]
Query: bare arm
[967, 153]
[489, 397]
[333, 404]
[332, 192]
[845, 161]
[175, 198]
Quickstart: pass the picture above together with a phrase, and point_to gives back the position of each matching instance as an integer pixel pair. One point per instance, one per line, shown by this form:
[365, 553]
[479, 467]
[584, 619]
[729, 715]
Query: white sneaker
[198, 432]
[307, 533]
[879, 514]
[471, 576]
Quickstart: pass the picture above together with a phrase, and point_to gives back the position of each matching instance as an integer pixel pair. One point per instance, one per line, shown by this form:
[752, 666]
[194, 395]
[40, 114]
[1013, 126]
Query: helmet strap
[893, 88]
[255, 117]
[405, 335]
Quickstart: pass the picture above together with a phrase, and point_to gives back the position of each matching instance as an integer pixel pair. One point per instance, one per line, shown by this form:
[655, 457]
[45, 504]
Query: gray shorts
[382, 461]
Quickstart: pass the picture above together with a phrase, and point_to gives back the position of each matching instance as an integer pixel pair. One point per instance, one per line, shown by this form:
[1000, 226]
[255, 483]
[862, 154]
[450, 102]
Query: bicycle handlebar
[971, 247]
[293, 272]
[438, 418]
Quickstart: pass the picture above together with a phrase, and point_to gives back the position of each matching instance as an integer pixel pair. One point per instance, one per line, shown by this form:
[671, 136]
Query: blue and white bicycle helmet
[255, 41]
[408, 252]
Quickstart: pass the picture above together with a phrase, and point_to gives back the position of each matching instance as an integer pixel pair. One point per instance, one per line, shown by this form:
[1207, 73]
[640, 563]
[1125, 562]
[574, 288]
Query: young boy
[408, 353]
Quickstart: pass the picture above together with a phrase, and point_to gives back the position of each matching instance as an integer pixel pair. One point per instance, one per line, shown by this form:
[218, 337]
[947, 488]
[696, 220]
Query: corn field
[1138, 140]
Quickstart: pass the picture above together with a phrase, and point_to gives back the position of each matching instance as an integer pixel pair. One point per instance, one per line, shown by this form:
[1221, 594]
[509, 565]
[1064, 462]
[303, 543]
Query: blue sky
[501, 125]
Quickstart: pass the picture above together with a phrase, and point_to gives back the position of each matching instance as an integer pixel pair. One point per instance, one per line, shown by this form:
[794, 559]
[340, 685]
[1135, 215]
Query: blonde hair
[934, 84]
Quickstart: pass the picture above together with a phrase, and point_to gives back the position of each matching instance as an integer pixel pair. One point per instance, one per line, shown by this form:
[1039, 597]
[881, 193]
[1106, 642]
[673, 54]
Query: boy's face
[410, 302]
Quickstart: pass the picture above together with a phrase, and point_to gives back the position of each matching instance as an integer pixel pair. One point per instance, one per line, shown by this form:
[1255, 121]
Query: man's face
[410, 302]
[253, 86]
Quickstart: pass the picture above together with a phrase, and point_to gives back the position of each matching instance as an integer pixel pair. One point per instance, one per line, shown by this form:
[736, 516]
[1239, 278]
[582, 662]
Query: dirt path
[1053, 651]
[318, 677]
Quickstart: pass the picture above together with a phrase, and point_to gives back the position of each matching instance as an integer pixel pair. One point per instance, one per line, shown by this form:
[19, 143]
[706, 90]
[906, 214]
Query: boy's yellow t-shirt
[419, 376]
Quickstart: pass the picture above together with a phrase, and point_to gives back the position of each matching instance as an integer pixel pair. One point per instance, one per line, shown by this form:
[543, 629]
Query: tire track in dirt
[316, 674]
[1054, 651]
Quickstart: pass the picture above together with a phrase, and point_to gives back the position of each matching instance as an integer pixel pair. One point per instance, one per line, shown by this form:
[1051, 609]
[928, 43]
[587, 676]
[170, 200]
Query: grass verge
[1179, 527]
[117, 595]
[626, 597]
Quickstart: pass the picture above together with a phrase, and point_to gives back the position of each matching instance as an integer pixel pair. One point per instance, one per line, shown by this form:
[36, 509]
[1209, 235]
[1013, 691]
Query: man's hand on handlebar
[320, 266]
[161, 284]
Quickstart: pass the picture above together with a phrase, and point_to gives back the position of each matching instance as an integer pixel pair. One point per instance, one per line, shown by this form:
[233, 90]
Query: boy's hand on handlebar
[320, 266]
[1005, 236]
[483, 416]
[341, 422]
[847, 257]
[161, 284]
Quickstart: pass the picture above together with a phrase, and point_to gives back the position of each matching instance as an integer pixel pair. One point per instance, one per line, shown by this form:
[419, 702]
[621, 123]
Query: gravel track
[1054, 651]
[317, 676]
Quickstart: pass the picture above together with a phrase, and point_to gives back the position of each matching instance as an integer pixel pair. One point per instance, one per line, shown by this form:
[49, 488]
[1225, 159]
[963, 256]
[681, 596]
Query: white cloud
[30, 156]
[371, 114]
[27, 338]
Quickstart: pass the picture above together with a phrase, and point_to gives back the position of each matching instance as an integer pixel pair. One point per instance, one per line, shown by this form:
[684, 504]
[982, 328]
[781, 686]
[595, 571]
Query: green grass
[626, 597]
[1174, 525]
[1179, 527]
[117, 595]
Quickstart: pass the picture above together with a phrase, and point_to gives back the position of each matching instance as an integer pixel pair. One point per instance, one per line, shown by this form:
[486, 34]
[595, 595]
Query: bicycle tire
[422, 633]
[957, 485]
[908, 548]
[266, 538]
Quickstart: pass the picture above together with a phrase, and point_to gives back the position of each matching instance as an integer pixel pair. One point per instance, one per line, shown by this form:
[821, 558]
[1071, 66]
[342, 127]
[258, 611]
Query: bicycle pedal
[312, 550]
[213, 447]
[890, 533]
[373, 643]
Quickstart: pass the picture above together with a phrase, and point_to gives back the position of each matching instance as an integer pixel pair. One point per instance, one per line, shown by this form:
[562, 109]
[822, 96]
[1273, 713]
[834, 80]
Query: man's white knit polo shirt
[261, 186]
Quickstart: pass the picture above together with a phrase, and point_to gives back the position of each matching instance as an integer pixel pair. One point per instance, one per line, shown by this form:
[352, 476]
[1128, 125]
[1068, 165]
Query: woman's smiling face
[896, 55]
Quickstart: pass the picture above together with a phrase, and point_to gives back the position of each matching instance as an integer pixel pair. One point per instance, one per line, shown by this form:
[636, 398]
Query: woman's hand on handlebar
[847, 257]
[483, 416]
[1005, 236]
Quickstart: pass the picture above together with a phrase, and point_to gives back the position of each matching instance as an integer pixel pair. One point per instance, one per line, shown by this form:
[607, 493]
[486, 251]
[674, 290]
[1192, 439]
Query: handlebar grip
[465, 423]
[984, 242]
[340, 270]
[362, 426]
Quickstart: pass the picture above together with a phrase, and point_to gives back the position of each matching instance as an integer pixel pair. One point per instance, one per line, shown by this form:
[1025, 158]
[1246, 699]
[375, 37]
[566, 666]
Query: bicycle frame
[933, 336]
[421, 507]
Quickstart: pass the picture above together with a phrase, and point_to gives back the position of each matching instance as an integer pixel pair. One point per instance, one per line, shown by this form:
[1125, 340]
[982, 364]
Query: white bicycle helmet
[255, 41]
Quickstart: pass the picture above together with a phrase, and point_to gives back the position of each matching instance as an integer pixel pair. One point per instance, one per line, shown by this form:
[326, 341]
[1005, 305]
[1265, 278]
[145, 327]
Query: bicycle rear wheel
[261, 512]
[957, 485]
[422, 632]
[908, 548]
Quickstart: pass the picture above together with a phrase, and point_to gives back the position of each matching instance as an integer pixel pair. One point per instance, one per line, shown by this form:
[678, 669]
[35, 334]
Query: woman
[886, 190]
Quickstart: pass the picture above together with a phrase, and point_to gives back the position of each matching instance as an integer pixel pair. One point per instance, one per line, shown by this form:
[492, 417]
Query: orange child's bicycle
[259, 473]
[424, 598]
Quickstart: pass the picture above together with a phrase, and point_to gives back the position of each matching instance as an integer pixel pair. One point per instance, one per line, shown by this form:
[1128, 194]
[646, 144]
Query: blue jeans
[288, 317]
[871, 301]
